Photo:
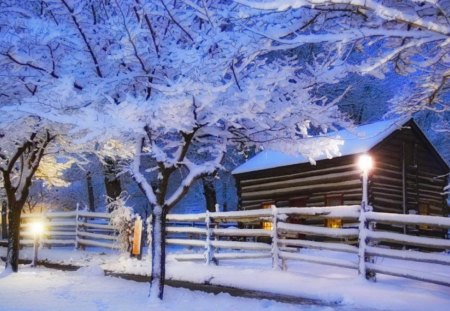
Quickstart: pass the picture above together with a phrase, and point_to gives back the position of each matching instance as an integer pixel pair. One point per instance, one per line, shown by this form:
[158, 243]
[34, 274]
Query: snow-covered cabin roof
[356, 140]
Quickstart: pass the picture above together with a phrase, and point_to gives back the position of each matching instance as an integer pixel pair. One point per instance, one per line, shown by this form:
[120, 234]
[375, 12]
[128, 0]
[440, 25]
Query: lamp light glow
[37, 228]
[365, 163]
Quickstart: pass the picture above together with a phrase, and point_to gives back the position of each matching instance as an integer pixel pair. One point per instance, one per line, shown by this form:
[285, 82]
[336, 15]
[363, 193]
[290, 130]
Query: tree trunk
[90, 191]
[158, 247]
[12, 256]
[224, 195]
[210, 193]
[4, 221]
[112, 182]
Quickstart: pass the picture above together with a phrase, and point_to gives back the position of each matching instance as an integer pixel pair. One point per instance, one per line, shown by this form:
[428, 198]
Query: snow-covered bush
[123, 218]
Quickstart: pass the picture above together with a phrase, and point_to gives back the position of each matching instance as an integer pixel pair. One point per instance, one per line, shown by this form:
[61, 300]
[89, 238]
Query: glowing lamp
[37, 228]
[365, 163]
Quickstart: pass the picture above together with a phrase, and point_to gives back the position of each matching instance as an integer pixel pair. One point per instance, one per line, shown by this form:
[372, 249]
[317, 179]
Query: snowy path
[88, 290]
[328, 284]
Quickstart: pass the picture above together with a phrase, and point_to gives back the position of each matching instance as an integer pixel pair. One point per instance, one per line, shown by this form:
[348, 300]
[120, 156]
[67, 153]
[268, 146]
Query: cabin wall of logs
[303, 183]
[408, 178]
[409, 175]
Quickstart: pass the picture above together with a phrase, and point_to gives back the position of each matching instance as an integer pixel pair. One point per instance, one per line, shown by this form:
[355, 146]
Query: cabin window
[424, 209]
[267, 225]
[333, 200]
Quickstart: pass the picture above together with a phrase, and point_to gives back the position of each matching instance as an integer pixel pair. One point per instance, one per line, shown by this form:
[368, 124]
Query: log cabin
[408, 174]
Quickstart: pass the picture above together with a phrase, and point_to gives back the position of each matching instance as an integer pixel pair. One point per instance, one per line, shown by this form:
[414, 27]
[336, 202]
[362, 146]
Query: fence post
[209, 249]
[76, 226]
[362, 241]
[47, 221]
[149, 235]
[216, 237]
[364, 227]
[276, 265]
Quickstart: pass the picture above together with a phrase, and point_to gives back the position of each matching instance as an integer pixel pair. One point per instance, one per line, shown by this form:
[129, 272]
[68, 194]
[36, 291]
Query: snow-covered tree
[408, 36]
[169, 86]
[23, 143]
[213, 85]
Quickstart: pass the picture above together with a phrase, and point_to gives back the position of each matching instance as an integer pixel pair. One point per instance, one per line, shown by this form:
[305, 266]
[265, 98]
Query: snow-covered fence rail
[219, 235]
[238, 234]
[60, 228]
[282, 234]
[77, 228]
[242, 234]
[292, 237]
[414, 244]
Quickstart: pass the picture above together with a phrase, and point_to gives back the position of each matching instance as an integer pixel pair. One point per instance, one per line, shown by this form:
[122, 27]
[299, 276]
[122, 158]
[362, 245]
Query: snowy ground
[342, 289]
[88, 290]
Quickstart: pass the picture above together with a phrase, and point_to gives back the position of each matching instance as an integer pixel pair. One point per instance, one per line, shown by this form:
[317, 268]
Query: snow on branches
[408, 36]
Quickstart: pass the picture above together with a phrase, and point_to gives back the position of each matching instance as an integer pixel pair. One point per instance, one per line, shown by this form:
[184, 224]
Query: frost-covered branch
[84, 37]
[195, 172]
[385, 12]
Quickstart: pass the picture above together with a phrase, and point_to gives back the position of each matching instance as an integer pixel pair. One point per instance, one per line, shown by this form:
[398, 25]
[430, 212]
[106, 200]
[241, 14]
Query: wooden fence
[287, 232]
[238, 235]
[77, 228]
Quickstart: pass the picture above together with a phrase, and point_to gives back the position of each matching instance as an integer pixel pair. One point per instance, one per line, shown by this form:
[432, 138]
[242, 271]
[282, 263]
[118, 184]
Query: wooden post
[362, 241]
[364, 227]
[209, 249]
[149, 235]
[45, 236]
[81, 227]
[276, 264]
[404, 193]
[35, 249]
[216, 237]
[76, 226]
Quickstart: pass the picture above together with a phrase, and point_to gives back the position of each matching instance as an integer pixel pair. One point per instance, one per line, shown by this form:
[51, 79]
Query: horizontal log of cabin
[312, 180]
[387, 166]
[429, 187]
[392, 196]
[391, 159]
[431, 177]
[377, 186]
[387, 180]
[250, 206]
[277, 193]
[389, 204]
[430, 195]
[389, 172]
[389, 201]
[386, 209]
[278, 174]
[285, 201]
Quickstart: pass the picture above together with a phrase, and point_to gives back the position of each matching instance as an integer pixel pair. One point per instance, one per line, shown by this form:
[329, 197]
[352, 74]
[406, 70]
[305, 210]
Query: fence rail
[278, 233]
[77, 228]
[284, 240]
